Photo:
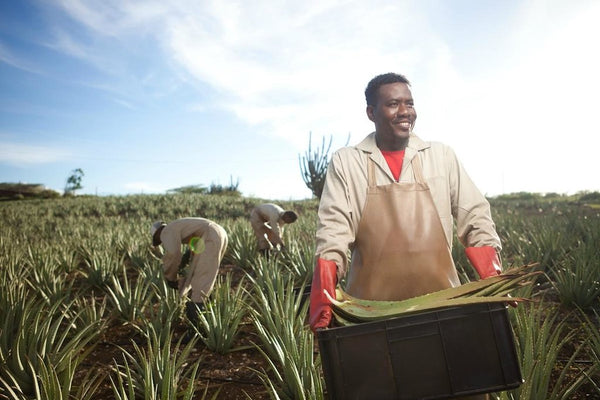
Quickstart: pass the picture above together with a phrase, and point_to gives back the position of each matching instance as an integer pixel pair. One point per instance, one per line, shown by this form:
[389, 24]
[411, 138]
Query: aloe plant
[155, 372]
[160, 319]
[540, 338]
[99, 268]
[39, 337]
[85, 311]
[590, 325]
[279, 319]
[577, 276]
[219, 323]
[298, 258]
[242, 248]
[56, 383]
[48, 282]
[129, 301]
[295, 370]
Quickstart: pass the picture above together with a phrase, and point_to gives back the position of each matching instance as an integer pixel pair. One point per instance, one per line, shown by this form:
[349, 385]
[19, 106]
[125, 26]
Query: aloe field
[85, 312]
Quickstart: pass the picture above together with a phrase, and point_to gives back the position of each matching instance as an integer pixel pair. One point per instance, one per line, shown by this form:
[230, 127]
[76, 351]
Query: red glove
[485, 261]
[324, 278]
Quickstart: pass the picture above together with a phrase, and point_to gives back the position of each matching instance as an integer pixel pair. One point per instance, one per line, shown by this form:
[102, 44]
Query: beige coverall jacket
[454, 194]
[266, 220]
[204, 265]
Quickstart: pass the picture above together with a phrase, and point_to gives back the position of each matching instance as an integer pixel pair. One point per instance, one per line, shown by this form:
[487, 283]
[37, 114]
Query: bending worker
[267, 221]
[207, 242]
[393, 200]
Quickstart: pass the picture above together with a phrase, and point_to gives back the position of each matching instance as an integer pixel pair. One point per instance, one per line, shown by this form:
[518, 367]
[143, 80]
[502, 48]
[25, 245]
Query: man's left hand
[486, 262]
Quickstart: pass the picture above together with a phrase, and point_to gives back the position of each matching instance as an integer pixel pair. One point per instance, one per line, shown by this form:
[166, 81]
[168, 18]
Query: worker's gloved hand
[324, 278]
[485, 260]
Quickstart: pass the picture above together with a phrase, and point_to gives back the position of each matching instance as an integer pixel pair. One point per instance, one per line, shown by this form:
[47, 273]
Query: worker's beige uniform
[455, 196]
[204, 263]
[267, 225]
[400, 233]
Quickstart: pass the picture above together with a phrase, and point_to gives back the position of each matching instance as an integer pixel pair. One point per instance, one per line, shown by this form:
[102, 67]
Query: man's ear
[370, 113]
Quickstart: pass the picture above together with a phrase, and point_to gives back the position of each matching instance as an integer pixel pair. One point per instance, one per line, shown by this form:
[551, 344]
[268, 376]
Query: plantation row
[85, 312]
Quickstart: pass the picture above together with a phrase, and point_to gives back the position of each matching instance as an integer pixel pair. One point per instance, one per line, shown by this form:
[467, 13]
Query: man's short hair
[289, 217]
[378, 81]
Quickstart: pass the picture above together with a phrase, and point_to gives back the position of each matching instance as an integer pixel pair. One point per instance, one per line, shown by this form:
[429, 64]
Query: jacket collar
[415, 144]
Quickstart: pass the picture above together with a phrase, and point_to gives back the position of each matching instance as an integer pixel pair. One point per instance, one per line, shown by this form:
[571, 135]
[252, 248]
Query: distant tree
[313, 166]
[197, 189]
[231, 190]
[214, 188]
[49, 194]
[74, 181]
[592, 197]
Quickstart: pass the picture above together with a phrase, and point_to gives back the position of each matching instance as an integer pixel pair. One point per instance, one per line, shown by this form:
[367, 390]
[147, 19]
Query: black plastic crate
[450, 352]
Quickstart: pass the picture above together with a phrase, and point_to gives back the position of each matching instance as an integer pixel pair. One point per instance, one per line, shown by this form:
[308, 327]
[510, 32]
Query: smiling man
[392, 110]
[392, 200]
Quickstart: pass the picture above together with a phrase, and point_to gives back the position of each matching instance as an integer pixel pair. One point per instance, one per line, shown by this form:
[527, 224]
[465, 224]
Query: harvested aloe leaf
[349, 310]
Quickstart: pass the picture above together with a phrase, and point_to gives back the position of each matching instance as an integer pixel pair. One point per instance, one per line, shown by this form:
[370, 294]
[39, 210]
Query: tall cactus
[313, 166]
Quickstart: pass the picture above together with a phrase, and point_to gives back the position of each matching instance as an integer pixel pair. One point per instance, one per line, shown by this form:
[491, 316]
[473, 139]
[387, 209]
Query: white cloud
[294, 69]
[114, 17]
[24, 154]
[287, 67]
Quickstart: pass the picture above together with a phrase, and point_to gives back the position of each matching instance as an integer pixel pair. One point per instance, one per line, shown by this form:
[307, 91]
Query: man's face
[394, 116]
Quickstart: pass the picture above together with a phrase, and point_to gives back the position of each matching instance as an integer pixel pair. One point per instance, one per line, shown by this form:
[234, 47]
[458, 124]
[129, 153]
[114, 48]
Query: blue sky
[147, 96]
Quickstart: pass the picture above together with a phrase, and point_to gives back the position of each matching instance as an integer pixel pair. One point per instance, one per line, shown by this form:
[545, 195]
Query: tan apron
[400, 249]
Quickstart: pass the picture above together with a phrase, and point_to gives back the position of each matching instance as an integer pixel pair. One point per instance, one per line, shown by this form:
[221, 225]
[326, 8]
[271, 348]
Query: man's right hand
[324, 278]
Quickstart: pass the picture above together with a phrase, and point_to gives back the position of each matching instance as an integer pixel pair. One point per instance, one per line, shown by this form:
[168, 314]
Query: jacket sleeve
[470, 208]
[276, 229]
[335, 233]
[172, 256]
